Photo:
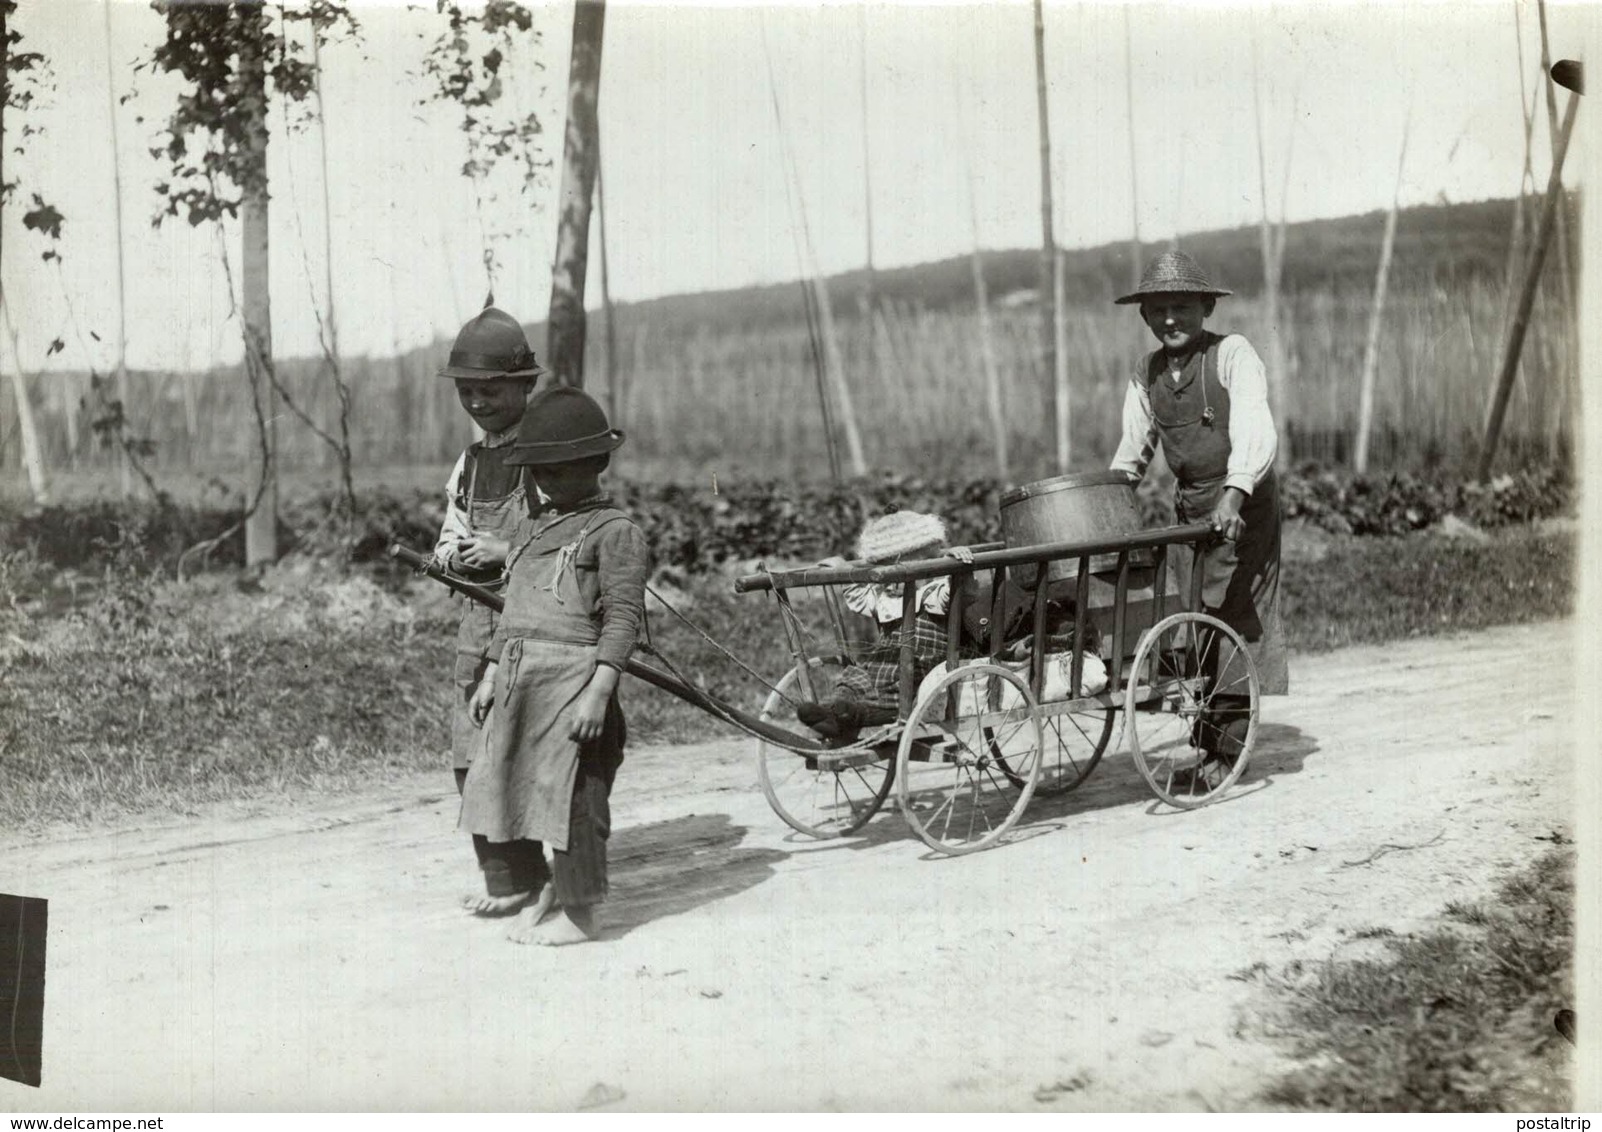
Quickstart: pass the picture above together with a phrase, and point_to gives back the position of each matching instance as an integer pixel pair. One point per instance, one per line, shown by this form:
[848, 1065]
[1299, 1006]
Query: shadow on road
[667, 867]
[1116, 781]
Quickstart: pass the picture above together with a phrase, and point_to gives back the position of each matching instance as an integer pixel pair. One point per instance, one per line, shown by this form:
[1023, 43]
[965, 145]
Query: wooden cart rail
[926, 568]
[1040, 557]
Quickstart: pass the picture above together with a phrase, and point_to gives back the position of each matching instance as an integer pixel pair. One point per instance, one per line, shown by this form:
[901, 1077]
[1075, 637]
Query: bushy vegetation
[703, 527]
[1459, 1018]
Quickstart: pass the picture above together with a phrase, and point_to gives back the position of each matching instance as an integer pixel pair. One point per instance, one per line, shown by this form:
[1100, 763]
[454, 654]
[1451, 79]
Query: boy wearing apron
[1205, 397]
[494, 371]
[575, 599]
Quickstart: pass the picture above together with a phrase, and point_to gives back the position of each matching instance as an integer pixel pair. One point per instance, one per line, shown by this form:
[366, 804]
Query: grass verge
[1455, 1019]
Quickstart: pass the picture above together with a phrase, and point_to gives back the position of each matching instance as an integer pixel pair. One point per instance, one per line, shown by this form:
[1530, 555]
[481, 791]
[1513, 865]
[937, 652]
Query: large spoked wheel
[1075, 740]
[1193, 721]
[969, 758]
[818, 802]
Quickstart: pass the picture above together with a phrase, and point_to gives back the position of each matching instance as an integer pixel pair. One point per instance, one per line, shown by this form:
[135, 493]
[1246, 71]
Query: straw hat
[1173, 273]
[561, 425]
[899, 533]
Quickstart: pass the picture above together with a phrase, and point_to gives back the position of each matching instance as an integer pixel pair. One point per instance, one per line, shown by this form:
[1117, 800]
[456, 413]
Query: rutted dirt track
[316, 959]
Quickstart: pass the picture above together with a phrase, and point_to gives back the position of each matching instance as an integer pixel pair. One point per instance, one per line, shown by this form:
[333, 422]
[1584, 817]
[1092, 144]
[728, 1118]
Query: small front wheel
[812, 799]
[1192, 708]
[969, 758]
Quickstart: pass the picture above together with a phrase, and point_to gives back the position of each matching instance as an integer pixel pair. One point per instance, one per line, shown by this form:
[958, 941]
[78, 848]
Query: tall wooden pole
[32, 456]
[1134, 179]
[867, 172]
[1365, 412]
[565, 326]
[1271, 268]
[261, 525]
[1532, 281]
[124, 470]
[1561, 231]
[1048, 245]
[614, 399]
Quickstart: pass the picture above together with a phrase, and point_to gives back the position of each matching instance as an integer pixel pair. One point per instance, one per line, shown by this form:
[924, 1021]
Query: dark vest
[487, 477]
[1192, 416]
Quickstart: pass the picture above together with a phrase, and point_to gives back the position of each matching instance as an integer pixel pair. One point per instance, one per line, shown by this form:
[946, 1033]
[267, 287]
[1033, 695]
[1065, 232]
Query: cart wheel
[1193, 702]
[819, 803]
[1074, 743]
[963, 781]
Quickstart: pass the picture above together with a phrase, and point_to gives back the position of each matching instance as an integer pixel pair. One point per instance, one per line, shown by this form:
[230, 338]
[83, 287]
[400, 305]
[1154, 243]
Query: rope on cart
[708, 638]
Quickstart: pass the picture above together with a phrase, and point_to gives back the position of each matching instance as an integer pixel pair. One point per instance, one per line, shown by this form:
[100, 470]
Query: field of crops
[733, 389]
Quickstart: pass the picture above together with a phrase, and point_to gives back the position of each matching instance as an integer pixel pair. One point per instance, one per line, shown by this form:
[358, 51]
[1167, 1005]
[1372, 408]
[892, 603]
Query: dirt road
[316, 959]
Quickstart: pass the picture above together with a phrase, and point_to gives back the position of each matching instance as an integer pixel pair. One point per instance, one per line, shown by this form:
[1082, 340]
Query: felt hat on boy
[1173, 273]
[900, 533]
[561, 425]
[492, 347]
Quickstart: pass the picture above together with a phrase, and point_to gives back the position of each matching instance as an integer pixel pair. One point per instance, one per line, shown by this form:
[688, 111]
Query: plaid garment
[874, 678]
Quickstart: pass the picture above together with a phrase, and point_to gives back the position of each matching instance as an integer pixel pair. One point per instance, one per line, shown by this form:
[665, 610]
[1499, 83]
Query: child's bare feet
[481, 905]
[574, 925]
[525, 930]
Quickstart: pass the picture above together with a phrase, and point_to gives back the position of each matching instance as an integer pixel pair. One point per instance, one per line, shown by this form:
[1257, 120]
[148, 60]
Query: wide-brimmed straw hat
[492, 347]
[561, 425]
[1173, 273]
[900, 533]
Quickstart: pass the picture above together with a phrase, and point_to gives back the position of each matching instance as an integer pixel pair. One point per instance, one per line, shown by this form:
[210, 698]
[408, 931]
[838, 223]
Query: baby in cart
[864, 694]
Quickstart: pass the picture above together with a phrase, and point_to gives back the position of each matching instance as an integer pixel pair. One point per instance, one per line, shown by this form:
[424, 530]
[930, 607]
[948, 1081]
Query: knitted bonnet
[898, 534]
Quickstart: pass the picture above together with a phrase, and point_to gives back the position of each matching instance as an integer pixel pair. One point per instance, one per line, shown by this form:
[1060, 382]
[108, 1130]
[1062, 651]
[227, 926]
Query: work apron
[521, 784]
[500, 518]
[1240, 579]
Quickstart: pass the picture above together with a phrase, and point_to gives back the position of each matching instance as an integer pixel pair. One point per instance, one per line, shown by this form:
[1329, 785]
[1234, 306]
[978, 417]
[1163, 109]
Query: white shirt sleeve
[1253, 440]
[455, 525]
[1139, 439]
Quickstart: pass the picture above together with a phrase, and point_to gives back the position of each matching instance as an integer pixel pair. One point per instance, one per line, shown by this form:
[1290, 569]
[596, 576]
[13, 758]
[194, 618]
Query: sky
[927, 110]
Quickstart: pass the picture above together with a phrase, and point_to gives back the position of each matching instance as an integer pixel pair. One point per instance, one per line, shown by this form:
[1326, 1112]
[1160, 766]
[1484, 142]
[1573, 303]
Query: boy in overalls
[575, 599]
[1205, 397]
[494, 371]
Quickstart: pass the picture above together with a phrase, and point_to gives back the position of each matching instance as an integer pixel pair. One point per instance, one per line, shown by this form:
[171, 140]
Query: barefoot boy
[494, 371]
[575, 597]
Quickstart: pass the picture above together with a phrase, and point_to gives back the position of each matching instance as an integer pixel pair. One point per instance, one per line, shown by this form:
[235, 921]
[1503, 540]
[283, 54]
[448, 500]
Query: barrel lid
[1063, 483]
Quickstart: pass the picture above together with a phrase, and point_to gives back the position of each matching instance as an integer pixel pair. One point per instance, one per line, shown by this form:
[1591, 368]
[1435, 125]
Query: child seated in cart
[865, 694]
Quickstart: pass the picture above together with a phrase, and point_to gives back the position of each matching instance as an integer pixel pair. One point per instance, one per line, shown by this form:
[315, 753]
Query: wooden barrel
[1073, 508]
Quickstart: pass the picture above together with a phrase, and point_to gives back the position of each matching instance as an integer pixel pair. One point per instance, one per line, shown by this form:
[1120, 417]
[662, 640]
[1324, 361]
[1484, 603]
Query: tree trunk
[261, 524]
[565, 326]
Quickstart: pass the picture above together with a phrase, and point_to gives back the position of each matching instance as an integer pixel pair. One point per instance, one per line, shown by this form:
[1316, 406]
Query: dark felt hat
[491, 347]
[560, 425]
[1173, 273]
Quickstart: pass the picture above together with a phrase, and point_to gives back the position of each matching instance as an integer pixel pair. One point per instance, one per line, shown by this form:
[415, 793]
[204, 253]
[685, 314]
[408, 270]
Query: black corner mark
[23, 920]
[1563, 1021]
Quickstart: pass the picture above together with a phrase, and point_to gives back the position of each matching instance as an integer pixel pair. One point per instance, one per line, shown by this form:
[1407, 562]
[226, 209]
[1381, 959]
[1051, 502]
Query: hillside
[1442, 241]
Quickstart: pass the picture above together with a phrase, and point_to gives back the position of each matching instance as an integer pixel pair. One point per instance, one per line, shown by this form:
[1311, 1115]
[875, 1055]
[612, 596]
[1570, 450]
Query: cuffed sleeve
[455, 525]
[1139, 439]
[623, 562]
[1253, 440]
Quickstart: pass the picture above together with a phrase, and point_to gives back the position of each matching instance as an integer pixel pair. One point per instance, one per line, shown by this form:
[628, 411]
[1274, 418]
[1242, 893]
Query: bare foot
[574, 925]
[481, 905]
[525, 930]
